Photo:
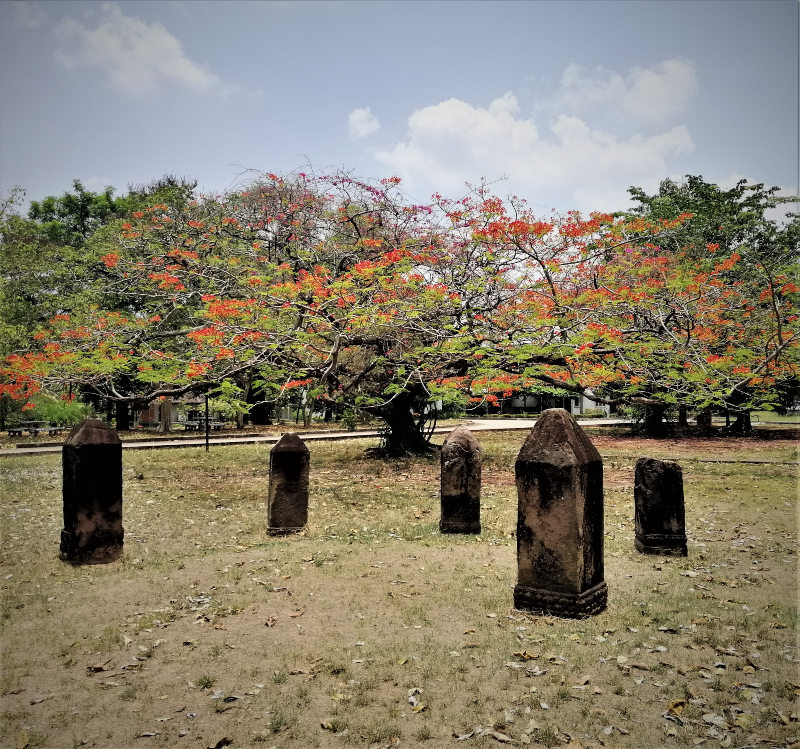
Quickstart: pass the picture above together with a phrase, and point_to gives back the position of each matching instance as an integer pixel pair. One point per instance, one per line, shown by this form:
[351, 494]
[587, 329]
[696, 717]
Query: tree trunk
[261, 413]
[704, 421]
[654, 420]
[248, 379]
[742, 425]
[123, 416]
[403, 436]
[683, 419]
[165, 415]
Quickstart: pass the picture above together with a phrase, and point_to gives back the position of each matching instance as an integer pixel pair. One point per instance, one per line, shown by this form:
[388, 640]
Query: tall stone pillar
[559, 520]
[659, 508]
[461, 483]
[287, 502]
[92, 494]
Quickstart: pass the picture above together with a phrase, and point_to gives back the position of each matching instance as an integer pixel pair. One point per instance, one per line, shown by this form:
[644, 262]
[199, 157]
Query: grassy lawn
[207, 630]
[773, 418]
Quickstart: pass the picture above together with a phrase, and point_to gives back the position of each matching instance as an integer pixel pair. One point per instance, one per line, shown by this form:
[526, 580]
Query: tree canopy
[342, 287]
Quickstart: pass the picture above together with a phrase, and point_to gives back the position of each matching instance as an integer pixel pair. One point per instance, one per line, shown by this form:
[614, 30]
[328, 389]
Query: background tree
[737, 222]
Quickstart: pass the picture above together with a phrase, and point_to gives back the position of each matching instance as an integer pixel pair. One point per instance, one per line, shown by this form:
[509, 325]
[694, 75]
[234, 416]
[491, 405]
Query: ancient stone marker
[559, 520]
[659, 514]
[461, 483]
[92, 494]
[287, 503]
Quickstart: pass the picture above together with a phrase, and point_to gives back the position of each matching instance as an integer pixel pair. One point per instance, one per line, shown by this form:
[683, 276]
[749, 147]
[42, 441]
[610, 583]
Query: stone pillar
[559, 520]
[92, 494]
[659, 513]
[461, 483]
[287, 503]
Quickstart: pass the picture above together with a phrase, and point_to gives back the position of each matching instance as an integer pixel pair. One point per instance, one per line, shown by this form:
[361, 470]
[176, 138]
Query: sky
[565, 104]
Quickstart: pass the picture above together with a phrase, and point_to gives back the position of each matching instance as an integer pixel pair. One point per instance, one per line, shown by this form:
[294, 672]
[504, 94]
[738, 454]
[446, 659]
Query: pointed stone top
[558, 439]
[92, 432]
[290, 443]
[463, 437]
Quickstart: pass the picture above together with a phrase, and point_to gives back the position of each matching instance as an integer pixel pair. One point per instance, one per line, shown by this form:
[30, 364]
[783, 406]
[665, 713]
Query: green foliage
[56, 410]
[73, 217]
[348, 420]
[227, 400]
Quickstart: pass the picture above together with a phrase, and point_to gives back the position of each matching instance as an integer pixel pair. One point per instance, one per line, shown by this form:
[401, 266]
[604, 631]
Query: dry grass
[371, 602]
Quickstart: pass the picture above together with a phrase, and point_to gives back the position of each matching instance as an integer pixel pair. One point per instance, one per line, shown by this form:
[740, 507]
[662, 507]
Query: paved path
[488, 425]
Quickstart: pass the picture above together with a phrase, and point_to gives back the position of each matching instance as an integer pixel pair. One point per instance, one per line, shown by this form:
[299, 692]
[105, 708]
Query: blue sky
[571, 102]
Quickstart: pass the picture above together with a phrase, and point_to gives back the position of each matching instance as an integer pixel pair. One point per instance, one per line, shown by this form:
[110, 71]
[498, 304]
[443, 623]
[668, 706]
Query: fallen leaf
[524, 655]
[418, 708]
[583, 680]
[502, 737]
[23, 740]
[532, 726]
[270, 622]
[95, 667]
[295, 614]
[676, 707]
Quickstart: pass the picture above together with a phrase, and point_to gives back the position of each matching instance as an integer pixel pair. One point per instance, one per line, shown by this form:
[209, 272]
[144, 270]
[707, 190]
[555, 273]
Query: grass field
[207, 630]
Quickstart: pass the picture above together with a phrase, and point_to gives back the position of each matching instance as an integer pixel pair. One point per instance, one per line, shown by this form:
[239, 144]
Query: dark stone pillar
[461, 483]
[559, 520]
[659, 514]
[287, 503]
[92, 492]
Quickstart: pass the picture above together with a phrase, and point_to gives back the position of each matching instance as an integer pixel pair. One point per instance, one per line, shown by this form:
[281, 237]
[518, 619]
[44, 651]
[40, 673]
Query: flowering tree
[341, 287]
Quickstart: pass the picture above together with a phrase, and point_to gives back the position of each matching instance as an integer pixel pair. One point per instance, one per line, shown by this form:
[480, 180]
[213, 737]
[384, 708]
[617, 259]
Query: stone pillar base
[103, 551]
[561, 603]
[284, 531]
[662, 544]
[451, 526]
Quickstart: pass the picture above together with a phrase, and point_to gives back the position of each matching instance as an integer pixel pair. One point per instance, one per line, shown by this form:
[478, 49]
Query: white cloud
[137, 56]
[453, 142]
[363, 123]
[647, 95]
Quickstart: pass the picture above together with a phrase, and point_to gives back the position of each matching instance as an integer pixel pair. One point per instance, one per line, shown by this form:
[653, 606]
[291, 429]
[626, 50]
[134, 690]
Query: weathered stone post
[461, 483]
[92, 494]
[659, 508]
[287, 503]
[559, 520]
